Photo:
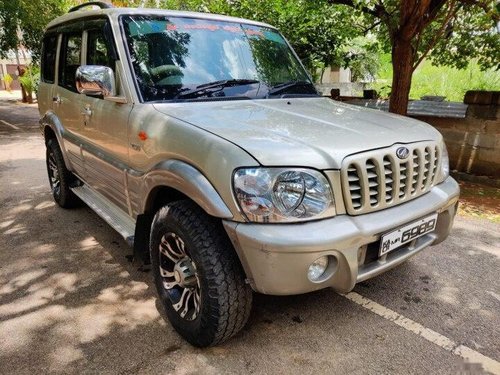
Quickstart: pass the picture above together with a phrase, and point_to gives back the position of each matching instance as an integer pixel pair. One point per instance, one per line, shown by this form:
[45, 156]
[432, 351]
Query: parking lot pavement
[70, 301]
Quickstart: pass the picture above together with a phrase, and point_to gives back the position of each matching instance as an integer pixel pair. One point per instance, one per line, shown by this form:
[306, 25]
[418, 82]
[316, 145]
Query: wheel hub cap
[185, 273]
[179, 276]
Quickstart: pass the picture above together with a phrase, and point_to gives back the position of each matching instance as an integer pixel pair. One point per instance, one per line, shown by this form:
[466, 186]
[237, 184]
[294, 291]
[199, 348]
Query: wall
[346, 88]
[332, 74]
[471, 129]
[474, 141]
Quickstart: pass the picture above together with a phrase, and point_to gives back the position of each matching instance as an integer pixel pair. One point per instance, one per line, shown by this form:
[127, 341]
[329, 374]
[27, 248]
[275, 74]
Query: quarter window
[49, 50]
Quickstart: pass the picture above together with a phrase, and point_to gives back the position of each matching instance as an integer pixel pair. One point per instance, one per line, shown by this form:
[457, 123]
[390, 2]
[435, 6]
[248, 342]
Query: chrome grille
[378, 179]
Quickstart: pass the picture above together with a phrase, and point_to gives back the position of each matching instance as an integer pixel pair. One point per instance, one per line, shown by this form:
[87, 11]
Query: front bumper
[276, 257]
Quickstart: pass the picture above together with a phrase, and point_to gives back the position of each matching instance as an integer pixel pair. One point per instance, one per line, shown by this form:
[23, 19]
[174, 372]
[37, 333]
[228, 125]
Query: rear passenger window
[70, 60]
[48, 62]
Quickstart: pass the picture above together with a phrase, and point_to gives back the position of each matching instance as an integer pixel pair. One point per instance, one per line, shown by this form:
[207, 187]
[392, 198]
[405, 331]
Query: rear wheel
[60, 178]
[198, 276]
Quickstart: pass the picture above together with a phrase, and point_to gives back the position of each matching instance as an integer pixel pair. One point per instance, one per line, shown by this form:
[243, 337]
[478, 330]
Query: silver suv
[202, 140]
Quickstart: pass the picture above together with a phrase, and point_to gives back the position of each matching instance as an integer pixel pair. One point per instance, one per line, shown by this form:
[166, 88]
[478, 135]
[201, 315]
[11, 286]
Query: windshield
[172, 56]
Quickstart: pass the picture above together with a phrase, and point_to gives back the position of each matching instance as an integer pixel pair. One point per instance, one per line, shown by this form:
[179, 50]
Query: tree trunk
[402, 64]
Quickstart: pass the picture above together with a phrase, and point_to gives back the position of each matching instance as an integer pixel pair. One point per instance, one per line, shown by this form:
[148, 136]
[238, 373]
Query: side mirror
[95, 80]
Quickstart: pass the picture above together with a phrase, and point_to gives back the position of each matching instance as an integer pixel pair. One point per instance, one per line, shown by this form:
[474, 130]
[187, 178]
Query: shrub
[29, 80]
[7, 79]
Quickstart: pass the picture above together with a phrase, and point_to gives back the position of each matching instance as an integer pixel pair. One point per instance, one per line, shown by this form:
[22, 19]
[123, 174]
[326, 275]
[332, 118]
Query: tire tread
[230, 298]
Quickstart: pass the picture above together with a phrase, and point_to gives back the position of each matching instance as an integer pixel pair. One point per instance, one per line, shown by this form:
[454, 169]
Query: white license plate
[408, 233]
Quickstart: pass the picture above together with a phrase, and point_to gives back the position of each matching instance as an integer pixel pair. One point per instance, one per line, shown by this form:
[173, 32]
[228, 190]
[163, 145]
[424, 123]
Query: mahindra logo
[402, 152]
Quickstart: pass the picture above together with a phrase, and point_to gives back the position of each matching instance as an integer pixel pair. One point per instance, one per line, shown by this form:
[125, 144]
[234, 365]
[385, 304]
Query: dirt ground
[479, 201]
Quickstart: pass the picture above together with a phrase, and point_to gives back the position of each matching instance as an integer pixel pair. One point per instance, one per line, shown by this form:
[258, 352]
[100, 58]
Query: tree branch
[378, 11]
[434, 8]
[452, 11]
[365, 30]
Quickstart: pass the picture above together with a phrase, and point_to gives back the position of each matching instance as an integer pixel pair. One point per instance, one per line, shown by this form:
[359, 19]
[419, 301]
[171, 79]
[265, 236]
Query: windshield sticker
[251, 32]
[228, 28]
[206, 26]
[232, 29]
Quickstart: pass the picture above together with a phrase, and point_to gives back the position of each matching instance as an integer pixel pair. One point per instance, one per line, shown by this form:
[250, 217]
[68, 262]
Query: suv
[201, 139]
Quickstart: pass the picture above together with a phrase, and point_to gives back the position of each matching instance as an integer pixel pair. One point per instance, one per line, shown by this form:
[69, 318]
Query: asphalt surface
[71, 302]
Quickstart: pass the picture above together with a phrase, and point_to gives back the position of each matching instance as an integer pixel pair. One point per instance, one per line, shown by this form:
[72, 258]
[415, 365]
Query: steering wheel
[166, 75]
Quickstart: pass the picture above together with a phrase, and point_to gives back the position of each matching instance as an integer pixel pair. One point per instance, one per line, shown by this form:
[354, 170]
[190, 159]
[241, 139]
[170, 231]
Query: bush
[29, 80]
[7, 79]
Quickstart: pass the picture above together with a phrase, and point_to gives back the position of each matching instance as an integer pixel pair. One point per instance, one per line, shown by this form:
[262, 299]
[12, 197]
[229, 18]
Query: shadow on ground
[70, 301]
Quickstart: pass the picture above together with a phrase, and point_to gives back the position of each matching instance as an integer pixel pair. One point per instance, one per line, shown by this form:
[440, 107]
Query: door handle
[56, 99]
[136, 146]
[86, 111]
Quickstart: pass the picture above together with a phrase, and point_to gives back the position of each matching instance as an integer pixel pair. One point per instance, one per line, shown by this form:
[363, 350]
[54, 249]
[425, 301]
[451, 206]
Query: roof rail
[100, 4]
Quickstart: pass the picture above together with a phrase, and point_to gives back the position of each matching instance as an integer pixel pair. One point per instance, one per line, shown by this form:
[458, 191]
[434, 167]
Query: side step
[107, 210]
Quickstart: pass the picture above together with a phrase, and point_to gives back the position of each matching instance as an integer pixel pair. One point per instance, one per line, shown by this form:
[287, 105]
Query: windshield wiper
[219, 85]
[280, 87]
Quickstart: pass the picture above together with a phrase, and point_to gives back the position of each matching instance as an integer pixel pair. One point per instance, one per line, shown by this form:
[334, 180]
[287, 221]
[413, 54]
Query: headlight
[282, 194]
[445, 163]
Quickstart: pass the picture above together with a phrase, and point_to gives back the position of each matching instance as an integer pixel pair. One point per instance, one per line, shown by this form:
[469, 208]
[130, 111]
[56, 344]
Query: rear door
[65, 98]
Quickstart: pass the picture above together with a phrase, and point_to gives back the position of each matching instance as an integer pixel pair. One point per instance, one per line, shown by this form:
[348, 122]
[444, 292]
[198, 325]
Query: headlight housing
[444, 170]
[269, 195]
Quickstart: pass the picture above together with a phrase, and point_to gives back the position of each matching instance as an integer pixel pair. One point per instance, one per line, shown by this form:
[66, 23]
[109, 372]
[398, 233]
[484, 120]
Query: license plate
[408, 233]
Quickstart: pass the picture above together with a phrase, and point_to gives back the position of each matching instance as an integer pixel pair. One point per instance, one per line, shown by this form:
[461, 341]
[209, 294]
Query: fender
[186, 179]
[50, 119]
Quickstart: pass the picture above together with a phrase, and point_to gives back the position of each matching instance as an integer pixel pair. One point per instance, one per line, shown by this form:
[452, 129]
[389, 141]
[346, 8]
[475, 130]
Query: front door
[105, 123]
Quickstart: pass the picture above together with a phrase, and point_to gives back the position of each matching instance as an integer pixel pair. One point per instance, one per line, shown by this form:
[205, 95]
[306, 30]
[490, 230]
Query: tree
[449, 32]
[23, 23]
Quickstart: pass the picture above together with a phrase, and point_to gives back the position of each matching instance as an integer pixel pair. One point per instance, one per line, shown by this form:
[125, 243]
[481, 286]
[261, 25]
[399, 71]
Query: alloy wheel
[180, 278]
[54, 178]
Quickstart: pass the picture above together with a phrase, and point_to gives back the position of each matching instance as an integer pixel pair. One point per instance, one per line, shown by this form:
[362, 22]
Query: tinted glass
[49, 50]
[97, 49]
[171, 55]
[70, 60]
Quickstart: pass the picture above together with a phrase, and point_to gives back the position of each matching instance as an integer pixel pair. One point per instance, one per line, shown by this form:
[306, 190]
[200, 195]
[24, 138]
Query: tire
[207, 301]
[60, 178]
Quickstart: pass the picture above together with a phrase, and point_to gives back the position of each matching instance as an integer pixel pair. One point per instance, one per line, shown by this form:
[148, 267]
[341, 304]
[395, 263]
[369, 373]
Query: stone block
[482, 97]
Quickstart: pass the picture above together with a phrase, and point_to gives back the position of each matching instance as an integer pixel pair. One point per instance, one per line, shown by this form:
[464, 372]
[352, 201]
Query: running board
[108, 211]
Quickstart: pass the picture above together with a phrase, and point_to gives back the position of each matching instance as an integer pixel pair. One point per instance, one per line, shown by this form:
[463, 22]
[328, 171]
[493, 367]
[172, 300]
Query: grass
[443, 81]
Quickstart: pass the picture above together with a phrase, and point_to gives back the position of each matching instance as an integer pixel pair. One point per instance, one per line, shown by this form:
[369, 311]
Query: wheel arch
[171, 181]
[52, 128]
[176, 178]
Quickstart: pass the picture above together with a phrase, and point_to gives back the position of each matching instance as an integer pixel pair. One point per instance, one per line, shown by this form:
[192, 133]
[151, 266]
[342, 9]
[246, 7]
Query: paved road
[70, 301]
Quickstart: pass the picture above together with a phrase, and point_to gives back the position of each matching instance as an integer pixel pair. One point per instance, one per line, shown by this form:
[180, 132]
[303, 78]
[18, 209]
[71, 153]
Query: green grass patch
[439, 80]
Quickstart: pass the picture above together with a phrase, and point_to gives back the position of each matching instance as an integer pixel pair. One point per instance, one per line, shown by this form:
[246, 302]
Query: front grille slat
[378, 179]
[421, 158]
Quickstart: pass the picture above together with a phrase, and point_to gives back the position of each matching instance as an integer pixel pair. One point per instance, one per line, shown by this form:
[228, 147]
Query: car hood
[302, 132]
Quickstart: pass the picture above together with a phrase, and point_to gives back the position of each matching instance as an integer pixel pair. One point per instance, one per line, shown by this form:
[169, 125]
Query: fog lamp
[317, 269]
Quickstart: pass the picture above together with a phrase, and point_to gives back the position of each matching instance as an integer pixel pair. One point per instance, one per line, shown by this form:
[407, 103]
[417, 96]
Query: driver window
[69, 60]
[97, 49]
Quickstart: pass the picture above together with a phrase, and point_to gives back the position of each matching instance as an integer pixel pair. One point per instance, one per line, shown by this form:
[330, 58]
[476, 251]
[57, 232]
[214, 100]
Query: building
[9, 65]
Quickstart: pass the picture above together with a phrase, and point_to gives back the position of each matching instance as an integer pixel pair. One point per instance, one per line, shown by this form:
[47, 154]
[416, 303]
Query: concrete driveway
[72, 302]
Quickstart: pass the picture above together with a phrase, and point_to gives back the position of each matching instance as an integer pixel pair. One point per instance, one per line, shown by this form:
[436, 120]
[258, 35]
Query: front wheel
[199, 279]
[60, 178]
